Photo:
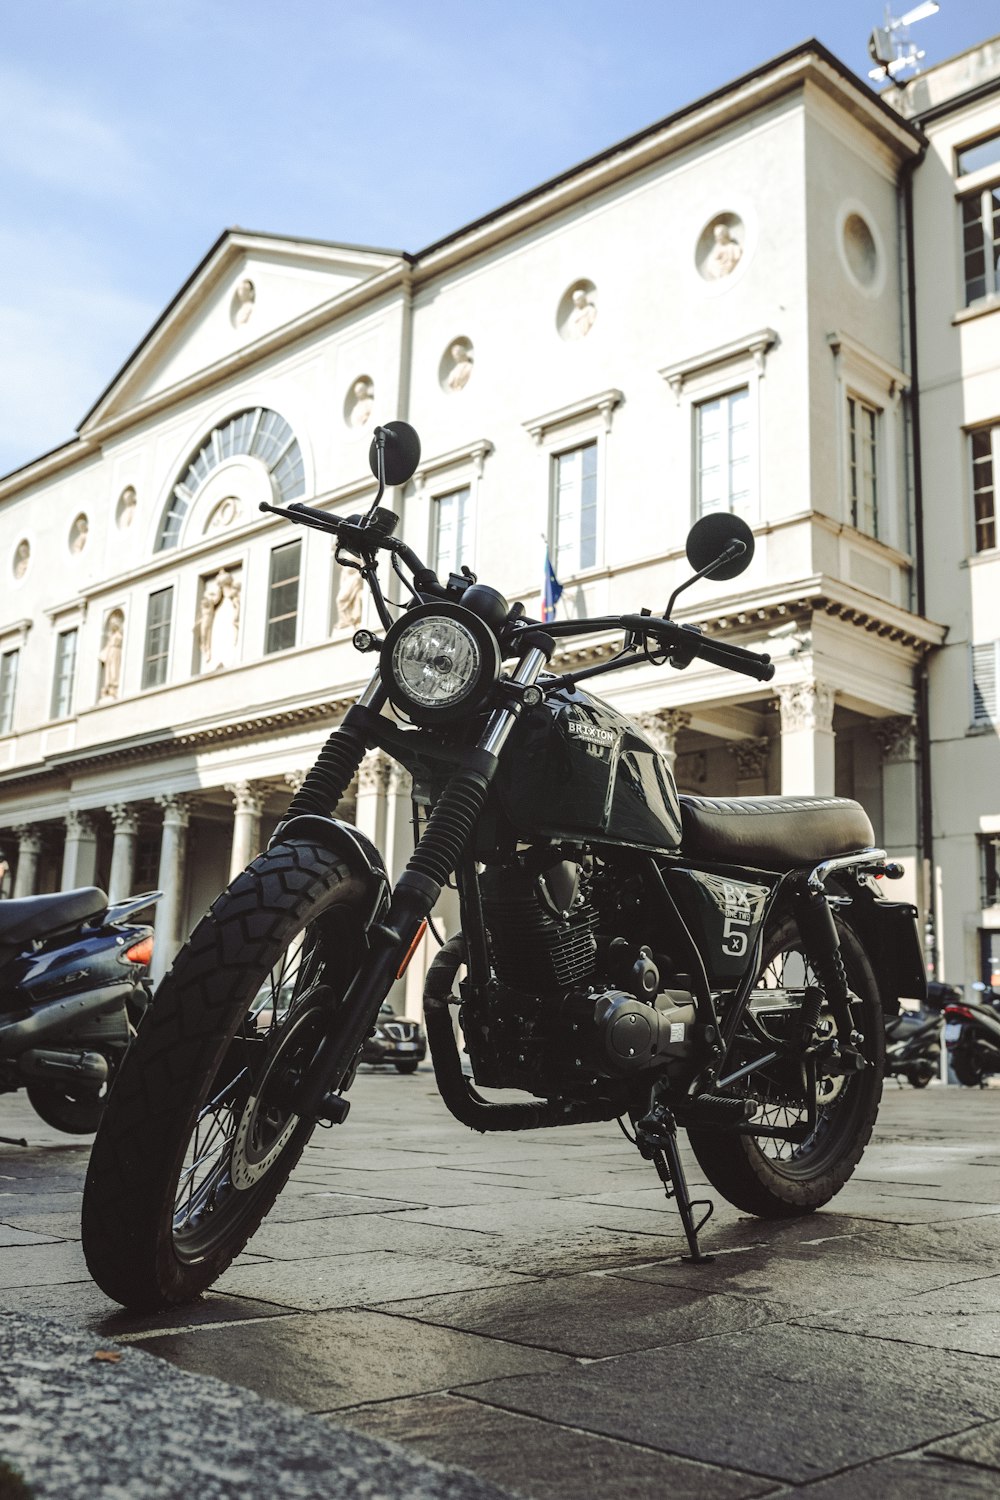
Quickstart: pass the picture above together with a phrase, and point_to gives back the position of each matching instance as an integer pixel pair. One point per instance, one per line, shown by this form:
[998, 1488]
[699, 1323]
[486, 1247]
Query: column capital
[79, 824]
[374, 772]
[751, 757]
[176, 809]
[124, 817]
[294, 779]
[247, 798]
[662, 726]
[29, 838]
[400, 781]
[897, 738]
[806, 705]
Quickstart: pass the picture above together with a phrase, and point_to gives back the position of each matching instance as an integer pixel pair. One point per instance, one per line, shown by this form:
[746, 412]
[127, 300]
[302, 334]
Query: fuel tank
[577, 769]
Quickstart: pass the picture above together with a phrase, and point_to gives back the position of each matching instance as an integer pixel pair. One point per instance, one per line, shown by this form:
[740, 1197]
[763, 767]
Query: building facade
[712, 314]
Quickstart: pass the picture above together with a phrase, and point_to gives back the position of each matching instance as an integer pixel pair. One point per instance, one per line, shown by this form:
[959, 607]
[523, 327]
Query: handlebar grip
[692, 643]
[736, 659]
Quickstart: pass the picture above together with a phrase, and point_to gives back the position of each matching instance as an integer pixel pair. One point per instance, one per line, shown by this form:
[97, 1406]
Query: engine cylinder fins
[532, 951]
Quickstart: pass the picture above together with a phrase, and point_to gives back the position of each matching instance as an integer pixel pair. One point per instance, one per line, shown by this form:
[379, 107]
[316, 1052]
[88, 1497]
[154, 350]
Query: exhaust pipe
[60, 1015]
[70, 1067]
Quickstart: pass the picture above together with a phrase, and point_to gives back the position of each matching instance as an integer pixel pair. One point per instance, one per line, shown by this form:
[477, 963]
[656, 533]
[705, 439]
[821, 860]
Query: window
[989, 869]
[62, 682]
[985, 675]
[989, 951]
[575, 510]
[452, 531]
[722, 436]
[154, 661]
[283, 597]
[981, 220]
[9, 663]
[985, 443]
[259, 433]
[862, 465]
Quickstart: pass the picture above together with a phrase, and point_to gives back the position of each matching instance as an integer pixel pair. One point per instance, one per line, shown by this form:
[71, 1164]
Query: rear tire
[406, 1067]
[777, 1180]
[196, 1141]
[968, 1072]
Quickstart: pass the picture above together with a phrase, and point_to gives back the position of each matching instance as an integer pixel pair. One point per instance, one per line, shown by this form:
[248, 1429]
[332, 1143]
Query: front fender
[887, 930]
[357, 851]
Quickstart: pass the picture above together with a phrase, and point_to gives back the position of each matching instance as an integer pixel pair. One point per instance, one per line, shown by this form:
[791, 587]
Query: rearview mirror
[720, 538]
[402, 451]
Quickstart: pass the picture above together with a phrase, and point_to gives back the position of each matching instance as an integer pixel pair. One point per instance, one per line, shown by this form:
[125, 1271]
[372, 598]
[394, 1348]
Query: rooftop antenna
[890, 47]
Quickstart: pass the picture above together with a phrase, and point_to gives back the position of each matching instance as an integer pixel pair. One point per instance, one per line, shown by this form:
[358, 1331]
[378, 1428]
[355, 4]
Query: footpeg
[716, 1109]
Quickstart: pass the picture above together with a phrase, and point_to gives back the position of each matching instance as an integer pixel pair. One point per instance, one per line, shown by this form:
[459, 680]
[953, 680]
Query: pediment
[247, 289]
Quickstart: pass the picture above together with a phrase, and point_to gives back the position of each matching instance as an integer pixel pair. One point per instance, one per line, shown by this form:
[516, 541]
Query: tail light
[140, 952]
[958, 1013]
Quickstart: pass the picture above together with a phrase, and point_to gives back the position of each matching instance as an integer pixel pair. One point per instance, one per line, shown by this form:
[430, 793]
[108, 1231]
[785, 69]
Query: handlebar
[682, 642]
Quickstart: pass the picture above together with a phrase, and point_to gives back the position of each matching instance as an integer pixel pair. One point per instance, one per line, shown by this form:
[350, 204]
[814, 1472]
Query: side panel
[577, 769]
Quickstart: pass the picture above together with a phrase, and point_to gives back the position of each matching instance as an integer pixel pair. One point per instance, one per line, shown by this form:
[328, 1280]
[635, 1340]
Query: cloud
[48, 137]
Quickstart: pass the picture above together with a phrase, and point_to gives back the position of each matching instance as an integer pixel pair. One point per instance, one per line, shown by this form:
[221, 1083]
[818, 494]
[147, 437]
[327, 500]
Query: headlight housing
[439, 663]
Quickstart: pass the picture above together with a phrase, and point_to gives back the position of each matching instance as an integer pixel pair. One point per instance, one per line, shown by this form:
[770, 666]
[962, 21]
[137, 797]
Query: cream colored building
[710, 314]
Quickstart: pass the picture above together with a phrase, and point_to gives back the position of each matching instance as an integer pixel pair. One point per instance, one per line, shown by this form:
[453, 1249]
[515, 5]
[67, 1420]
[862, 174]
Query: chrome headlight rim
[481, 683]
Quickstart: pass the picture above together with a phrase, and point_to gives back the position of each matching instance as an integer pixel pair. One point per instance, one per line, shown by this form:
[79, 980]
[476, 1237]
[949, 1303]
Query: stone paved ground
[516, 1305]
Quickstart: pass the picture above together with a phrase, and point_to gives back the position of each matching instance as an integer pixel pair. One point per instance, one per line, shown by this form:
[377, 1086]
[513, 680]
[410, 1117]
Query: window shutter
[984, 683]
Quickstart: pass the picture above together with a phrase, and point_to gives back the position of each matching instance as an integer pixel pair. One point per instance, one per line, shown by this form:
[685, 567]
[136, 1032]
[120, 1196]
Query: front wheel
[198, 1136]
[778, 1178]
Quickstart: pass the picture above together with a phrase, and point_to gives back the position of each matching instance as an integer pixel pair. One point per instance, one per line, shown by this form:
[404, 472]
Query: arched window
[256, 432]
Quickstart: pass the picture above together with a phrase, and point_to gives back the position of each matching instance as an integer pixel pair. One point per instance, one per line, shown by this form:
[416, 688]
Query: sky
[132, 132]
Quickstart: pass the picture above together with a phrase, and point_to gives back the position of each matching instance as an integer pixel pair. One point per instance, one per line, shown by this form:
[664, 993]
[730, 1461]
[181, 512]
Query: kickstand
[656, 1137]
[9, 1140]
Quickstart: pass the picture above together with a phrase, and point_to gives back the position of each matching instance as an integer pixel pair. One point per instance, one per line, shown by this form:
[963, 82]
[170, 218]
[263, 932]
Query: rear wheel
[410, 1066]
[779, 1178]
[198, 1136]
[967, 1070]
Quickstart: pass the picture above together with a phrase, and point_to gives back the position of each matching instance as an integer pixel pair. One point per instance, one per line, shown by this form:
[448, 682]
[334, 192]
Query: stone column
[121, 881]
[807, 739]
[173, 851]
[29, 852]
[897, 741]
[751, 757]
[80, 850]
[661, 726]
[373, 789]
[249, 805]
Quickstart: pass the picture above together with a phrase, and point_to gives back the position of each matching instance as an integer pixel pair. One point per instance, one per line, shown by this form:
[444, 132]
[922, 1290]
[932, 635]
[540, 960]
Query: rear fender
[356, 850]
[887, 931]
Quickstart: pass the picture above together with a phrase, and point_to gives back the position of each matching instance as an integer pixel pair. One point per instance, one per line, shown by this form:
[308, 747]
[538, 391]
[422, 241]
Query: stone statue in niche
[461, 366]
[110, 657]
[362, 402]
[349, 599]
[244, 298]
[218, 624]
[79, 532]
[581, 319]
[126, 508]
[22, 557]
[724, 255]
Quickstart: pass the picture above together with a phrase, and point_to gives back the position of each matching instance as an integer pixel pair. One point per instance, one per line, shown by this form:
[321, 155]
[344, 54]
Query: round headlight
[439, 663]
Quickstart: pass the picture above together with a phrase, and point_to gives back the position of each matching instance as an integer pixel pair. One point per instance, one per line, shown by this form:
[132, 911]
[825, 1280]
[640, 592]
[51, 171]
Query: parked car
[395, 1040]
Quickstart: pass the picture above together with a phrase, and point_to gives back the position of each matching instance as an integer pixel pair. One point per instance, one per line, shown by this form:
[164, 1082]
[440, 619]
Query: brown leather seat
[773, 833]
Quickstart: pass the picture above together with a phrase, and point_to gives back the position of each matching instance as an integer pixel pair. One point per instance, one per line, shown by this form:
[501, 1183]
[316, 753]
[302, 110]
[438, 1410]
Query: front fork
[415, 893]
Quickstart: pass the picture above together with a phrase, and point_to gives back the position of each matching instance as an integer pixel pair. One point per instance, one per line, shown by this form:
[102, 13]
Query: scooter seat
[773, 833]
[31, 917]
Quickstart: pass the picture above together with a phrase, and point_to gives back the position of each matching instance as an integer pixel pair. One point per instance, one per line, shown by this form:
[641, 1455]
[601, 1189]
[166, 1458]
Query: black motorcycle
[73, 987]
[628, 954]
[972, 1036]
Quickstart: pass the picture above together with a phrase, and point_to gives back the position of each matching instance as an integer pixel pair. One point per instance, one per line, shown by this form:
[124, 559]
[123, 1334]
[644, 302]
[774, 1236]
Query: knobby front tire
[197, 1139]
[777, 1180]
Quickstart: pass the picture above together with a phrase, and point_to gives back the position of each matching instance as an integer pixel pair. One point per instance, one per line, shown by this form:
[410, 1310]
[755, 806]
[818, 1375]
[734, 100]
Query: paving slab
[789, 1403]
[917, 1478]
[592, 1316]
[332, 1281]
[979, 1445]
[965, 1318]
[544, 1460]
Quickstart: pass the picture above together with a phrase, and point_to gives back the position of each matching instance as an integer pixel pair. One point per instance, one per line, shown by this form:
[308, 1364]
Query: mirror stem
[380, 436]
[735, 549]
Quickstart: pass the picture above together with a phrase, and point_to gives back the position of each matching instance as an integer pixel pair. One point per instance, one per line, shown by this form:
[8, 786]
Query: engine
[570, 1001]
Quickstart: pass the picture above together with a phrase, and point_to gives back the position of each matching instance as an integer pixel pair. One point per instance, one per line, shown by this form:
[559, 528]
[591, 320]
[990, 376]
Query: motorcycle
[625, 954]
[73, 988]
[972, 1037]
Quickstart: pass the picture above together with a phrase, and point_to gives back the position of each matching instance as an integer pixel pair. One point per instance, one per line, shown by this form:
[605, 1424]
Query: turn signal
[412, 949]
[141, 952]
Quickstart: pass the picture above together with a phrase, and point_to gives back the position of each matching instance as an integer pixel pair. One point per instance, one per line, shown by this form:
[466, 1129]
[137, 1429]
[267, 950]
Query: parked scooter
[972, 1036]
[913, 1038]
[73, 987]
